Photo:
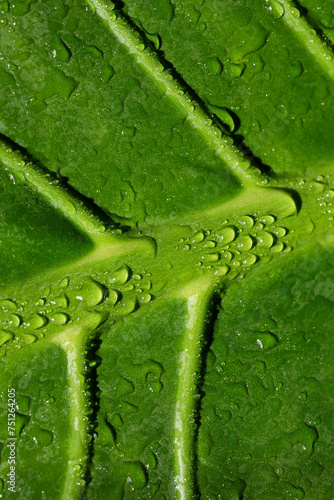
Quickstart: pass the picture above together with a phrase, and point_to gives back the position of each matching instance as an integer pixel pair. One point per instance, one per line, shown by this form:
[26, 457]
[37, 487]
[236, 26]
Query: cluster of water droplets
[237, 244]
[67, 302]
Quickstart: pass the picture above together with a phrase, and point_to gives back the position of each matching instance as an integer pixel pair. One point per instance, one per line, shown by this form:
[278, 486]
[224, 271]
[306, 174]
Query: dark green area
[133, 453]
[33, 232]
[321, 15]
[268, 410]
[101, 119]
[249, 67]
[42, 425]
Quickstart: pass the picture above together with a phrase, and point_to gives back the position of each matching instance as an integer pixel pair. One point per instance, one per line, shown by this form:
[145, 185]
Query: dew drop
[37, 321]
[226, 234]
[267, 220]
[60, 319]
[280, 232]
[278, 247]
[64, 283]
[265, 239]
[146, 297]
[5, 337]
[247, 222]
[126, 306]
[61, 301]
[198, 237]
[211, 257]
[249, 260]
[244, 243]
[276, 8]
[14, 320]
[210, 244]
[222, 270]
[28, 338]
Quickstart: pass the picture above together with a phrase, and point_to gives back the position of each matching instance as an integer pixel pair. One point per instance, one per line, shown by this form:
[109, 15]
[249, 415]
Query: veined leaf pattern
[166, 235]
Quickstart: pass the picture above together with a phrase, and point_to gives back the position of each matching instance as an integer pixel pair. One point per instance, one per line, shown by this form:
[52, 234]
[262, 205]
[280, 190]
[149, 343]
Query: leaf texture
[166, 240]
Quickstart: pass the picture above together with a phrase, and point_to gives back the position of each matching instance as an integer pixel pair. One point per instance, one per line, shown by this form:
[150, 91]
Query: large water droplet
[265, 239]
[5, 337]
[226, 234]
[37, 321]
[247, 222]
[244, 242]
[59, 319]
[211, 257]
[198, 237]
[14, 320]
[8, 305]
[276, 8]
[121, 276]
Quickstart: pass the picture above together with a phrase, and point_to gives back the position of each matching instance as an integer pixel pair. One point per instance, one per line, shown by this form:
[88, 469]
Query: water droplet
[249, 260]
[146, 297]
[226, 234]
[126, 306]
[64, 283]
[247, 222]
[278, 247]
[266, 340]
[60, 319]
[37, 321]
[265, 239]
[276, 8]
[244, 243]
[61, 301]
[8, 305]
[280, 232]
[267, 220]
[20, 422]
[128, 287]
[14, 320]
[121, 276]
[210, 244]
[198, 237]
[27, 338]
[5, 337]
[222, 270]
[42, 437]
[113, 297]
[137, 277]
[211, 257]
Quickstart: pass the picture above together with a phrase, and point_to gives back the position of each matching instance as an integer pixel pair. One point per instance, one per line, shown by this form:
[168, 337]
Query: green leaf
[166, 236]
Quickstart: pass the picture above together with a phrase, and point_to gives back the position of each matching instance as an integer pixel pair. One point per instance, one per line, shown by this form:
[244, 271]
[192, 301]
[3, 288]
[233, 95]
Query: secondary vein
[222, 144]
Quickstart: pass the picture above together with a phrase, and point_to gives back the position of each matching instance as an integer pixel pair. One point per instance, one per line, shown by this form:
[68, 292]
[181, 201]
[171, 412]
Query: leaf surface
[166, 235]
